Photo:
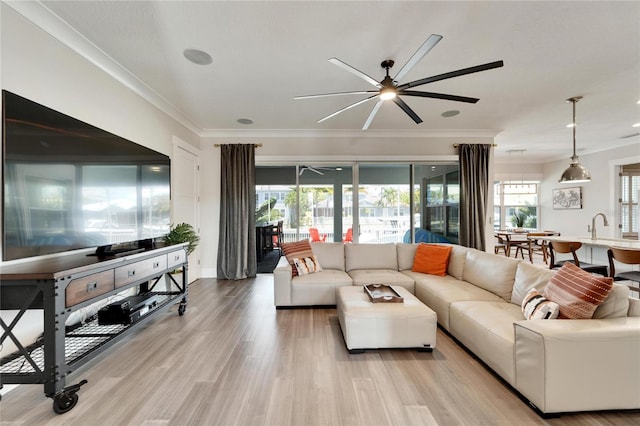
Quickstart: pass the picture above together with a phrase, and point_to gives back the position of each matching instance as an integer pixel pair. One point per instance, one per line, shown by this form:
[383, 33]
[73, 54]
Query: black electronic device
[128, 310]
[70, 185]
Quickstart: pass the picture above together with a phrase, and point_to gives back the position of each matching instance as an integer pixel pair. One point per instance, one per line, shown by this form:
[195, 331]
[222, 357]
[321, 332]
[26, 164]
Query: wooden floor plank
[233, 359]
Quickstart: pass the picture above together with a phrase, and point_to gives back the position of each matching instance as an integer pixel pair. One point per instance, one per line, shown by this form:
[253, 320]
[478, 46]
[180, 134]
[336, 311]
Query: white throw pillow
[307, 265]
[536, 306]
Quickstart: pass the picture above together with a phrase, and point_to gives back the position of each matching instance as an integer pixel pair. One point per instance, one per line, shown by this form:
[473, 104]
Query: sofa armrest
[282, 283]
[578, 365]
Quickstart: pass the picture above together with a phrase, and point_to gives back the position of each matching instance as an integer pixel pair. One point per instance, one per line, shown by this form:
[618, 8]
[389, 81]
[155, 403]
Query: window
[516, 205]
[629, 191]
[384, 207]
[442, 205]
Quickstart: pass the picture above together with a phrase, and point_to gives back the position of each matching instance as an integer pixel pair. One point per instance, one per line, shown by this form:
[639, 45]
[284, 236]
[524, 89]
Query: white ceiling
[265, 53]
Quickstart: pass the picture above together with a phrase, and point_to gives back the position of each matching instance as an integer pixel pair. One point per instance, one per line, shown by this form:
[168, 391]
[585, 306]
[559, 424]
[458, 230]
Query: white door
[185, 194]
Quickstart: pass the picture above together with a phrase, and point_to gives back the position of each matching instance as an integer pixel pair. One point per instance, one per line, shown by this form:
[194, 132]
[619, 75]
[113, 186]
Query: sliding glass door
[361, 202]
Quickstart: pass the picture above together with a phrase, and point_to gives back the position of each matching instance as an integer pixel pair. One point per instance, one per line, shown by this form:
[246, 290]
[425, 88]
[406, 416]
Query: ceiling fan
[314, 169]
[390, 88]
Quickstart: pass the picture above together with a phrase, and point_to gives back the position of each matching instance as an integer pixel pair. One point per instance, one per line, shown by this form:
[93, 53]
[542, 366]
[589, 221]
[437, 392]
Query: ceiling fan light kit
[575, 173]
[390, 89]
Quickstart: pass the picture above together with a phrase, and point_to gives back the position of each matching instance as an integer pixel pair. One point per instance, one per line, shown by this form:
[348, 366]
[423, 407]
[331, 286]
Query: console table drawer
[148, 269]
[88, 287]
[175, 258]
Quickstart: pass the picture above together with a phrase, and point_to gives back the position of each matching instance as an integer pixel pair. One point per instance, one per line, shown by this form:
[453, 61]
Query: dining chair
[538, 245]
[500, 245]
[277, 235]
[628, 257]
[348, 238]
[315, 237]
[571, 247]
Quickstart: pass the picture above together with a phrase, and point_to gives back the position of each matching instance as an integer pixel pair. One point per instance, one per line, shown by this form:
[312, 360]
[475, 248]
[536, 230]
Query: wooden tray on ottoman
[382, 293]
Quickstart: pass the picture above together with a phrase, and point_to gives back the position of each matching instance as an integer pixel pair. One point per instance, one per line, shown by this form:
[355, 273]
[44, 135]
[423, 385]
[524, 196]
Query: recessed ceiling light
[197, 56]
[245, 121]
[636, 125]
[451, 113]
[570, 125]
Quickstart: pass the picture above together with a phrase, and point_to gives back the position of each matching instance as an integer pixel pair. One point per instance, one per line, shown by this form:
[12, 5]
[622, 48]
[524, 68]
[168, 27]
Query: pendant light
[575, 173]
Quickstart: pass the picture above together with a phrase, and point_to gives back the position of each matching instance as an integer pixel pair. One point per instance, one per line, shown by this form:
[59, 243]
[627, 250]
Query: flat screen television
[68, 185]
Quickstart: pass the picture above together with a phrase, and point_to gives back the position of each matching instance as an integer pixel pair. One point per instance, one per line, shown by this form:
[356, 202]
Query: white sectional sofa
[557, 365]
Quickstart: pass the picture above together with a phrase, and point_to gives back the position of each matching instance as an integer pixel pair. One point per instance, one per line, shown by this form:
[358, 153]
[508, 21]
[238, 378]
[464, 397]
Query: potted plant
[181, 233]
[518, 220]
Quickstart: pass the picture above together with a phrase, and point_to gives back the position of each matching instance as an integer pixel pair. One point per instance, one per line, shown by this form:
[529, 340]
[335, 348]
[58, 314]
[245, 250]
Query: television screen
[69, 185]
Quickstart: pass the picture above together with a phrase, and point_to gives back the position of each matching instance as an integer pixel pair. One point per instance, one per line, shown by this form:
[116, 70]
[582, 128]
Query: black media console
[61, 285]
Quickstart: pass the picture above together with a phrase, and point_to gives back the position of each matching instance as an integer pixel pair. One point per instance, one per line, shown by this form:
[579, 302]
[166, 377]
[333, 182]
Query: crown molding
[313, 133]
[45, 19]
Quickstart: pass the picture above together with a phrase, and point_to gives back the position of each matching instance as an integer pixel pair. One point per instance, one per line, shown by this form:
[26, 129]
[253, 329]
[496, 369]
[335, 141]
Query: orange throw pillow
[431, 259]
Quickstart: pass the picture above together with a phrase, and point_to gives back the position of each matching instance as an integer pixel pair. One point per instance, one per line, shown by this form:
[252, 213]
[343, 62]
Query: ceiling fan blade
[464, 71]
[428, 44]
[354, 71]
[408, 110]
[360, 92]
[346, 108]
[374, 111]
[438, 96]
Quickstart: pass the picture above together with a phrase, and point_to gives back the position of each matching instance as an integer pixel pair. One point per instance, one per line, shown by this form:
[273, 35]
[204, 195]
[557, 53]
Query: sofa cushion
[529, 276]
[318, 288]
[490, 272]
[616, 304]
[406, 253]
[431, 259]
[457, 259]
[382, 276]
[486, 328]
[440, 292]
[577, 291]
[536, 306]
[370, 256]
[307, 265]
[330, 255]
[298, 250]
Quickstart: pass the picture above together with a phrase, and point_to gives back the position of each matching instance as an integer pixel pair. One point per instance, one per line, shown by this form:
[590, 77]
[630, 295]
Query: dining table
[525, 239]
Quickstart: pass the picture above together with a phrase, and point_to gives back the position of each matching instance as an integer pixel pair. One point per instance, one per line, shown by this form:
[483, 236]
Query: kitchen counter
[599, 242]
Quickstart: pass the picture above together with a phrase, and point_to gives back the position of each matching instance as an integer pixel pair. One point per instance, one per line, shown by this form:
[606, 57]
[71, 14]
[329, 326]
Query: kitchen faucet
[593, 224]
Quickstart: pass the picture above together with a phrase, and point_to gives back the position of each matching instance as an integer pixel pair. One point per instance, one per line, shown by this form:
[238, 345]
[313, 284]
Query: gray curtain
[474, 193]
[237, 243]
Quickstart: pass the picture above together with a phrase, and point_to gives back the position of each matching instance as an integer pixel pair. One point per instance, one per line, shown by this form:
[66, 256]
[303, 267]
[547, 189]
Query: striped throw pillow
[297, 250]
[536, 306]
[307, 265]
[577, 291]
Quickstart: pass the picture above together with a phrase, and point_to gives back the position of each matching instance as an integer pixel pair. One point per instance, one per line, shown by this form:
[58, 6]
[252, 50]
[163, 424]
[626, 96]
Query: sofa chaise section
[315, 289]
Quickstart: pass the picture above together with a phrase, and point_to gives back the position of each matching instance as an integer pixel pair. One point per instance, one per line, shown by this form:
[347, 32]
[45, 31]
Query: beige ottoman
[367, 325]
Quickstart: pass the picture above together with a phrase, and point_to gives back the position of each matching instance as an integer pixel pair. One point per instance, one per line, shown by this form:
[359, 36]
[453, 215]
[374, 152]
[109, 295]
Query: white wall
[597, 195]
[36, 66]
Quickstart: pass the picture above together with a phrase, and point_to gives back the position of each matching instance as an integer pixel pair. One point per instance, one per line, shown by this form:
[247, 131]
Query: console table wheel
[67, 398]
[182, 308]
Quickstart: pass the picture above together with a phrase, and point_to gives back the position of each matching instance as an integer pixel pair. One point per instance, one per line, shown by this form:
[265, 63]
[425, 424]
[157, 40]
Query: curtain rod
[217, 145]
[456, 145]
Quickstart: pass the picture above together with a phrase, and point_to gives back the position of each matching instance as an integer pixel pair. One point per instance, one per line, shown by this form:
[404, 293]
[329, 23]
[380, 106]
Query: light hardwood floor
[232, 359]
